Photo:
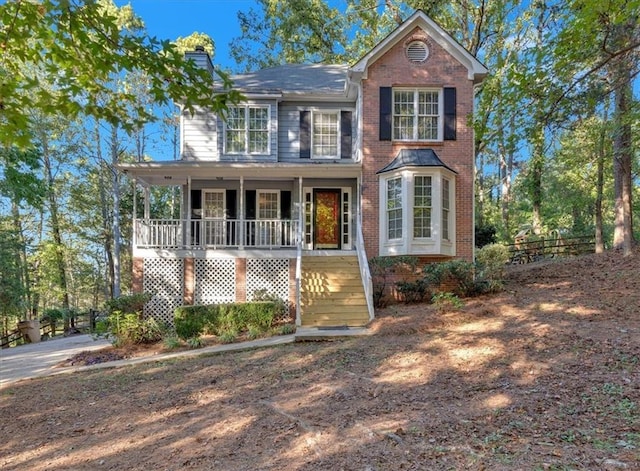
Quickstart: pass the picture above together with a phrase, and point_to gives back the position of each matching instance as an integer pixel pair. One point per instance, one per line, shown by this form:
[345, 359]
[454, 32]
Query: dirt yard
[544, 376]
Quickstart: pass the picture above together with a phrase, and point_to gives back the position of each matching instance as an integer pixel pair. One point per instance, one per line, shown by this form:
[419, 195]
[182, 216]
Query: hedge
[193, 321]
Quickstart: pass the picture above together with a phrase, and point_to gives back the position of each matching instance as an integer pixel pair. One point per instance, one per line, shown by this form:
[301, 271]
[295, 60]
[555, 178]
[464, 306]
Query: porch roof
[171, 173]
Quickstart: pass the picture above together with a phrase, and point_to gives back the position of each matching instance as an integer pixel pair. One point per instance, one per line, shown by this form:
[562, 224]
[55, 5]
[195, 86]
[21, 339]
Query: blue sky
[170, 19]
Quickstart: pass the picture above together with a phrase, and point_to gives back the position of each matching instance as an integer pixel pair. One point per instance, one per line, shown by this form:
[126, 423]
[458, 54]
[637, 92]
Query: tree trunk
[600, 184]
[56, 232]
[116, 212]
[622, 149]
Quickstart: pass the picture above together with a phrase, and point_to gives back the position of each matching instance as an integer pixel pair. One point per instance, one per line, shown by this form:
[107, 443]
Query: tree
[49, 36]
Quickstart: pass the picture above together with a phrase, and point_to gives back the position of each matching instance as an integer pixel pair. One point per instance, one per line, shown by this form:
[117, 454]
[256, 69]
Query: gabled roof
[415, 158]
[476, 71]
[292, 79]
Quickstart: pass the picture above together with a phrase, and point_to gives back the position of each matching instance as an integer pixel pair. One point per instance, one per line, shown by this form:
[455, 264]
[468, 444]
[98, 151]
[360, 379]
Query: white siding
[199, 136]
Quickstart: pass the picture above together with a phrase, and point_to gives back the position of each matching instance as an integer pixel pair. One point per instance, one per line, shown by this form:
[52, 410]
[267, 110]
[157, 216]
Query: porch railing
[215, 233]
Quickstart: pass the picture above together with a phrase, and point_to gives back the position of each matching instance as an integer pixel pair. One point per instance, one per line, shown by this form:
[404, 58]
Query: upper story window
[417, 115]
[325, 136]
[247, 130]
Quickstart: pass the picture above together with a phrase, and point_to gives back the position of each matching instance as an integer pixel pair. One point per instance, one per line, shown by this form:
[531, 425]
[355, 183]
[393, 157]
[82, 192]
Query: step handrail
[365, 273]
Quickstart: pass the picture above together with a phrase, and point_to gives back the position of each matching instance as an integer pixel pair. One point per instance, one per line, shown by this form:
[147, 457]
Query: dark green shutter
[285, 204]
[250, 204]
[385, 113]
[345, 135]
[196, 203]
[449, 114]
[305, 134]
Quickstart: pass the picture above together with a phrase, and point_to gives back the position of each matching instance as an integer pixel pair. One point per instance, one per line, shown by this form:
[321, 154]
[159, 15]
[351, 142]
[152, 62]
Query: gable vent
[417, 51]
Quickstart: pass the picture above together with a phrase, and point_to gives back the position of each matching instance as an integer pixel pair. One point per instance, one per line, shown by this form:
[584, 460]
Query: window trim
[416, 93]
[338, 116]
[429, 207]
[204, 203]
[278, 203]
[247, 130]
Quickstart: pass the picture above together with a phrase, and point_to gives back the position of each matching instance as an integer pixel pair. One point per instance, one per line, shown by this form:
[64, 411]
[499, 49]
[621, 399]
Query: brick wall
[440, 70]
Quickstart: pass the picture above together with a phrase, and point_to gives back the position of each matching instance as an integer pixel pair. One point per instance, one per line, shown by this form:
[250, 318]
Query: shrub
[382, 269]
[446, 301]
[286, 329]
[280, 312]
[490, 264]
[413, 291]
[191, 321]
[195, 342]
[172, 342]
[456, 275]
[129, 328]
[228, 336]
[253, 332]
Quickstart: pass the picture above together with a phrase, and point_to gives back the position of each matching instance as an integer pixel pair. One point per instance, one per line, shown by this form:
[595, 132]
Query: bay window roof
[415, 158]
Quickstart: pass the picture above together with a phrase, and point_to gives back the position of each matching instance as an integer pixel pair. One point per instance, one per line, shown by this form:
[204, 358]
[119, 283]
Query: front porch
[216, 234]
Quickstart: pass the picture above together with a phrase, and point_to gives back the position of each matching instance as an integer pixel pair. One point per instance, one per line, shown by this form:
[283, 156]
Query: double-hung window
[247, 130]
[268, 204]
[394, 208]
[417, 115]
[446, 208]
[325, 135]
[422, 206]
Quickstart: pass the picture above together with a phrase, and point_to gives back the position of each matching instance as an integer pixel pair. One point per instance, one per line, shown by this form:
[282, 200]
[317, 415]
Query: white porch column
[299, 244]
[135, 213]
[147, 197]
[189, 240]
[240, 217]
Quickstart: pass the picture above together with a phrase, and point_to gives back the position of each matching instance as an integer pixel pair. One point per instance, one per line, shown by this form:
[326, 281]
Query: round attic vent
[417, 51]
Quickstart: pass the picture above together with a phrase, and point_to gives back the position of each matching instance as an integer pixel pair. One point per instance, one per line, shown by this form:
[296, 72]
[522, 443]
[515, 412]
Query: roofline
[176, 172]
[476, 70]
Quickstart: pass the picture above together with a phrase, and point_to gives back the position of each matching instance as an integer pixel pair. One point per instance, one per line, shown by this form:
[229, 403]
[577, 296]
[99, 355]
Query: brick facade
[441, 69]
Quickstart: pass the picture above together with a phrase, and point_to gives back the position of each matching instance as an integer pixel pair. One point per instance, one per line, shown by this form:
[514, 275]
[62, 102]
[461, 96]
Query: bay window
[417, 212]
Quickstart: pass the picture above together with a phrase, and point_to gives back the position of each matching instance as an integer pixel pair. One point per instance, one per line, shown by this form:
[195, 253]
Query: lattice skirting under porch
[213, 281]
[164, 279]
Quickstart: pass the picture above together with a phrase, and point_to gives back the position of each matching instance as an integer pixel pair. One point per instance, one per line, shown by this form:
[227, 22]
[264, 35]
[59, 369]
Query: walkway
[39, 359]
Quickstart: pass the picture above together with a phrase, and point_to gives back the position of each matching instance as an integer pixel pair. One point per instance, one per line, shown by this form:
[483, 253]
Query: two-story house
[320, 169]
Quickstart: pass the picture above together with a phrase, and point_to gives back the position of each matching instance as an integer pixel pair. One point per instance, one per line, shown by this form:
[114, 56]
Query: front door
[326, 234]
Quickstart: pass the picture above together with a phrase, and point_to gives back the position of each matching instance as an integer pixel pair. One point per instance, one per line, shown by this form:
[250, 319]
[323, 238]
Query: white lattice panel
[268, 274]
[215, 281]
[164, 278]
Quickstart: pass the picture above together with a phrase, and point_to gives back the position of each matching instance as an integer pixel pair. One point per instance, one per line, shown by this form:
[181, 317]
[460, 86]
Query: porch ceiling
[170, 173]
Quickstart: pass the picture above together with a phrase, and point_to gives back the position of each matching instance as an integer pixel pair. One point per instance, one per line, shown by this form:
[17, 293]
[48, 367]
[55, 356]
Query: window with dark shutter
[385, 113]
[345, 135]
[305, 134]
[449, 114]
[196, 204]
[250, 204]
[285, 204]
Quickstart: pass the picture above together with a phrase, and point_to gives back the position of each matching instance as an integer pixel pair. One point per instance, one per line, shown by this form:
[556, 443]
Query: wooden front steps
[332, 293]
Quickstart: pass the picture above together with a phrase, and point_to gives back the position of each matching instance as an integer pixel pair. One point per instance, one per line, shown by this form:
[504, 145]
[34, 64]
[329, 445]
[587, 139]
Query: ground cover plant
[541, 376]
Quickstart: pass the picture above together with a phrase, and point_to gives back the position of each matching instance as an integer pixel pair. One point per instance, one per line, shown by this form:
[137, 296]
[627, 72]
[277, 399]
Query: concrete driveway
[38, 359]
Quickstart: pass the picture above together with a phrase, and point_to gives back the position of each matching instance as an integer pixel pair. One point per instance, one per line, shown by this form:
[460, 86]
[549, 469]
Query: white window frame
[441, 241]
[388, 210]
[258, 209]
[414, 116]
[204, 203]
[248, 130]
[315, 114]
[425, 207]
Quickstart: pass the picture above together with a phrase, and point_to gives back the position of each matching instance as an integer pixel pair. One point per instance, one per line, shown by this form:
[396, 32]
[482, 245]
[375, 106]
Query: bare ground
[544, 376]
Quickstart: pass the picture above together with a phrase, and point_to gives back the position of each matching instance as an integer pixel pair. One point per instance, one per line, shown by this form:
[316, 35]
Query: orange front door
[326, 219]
